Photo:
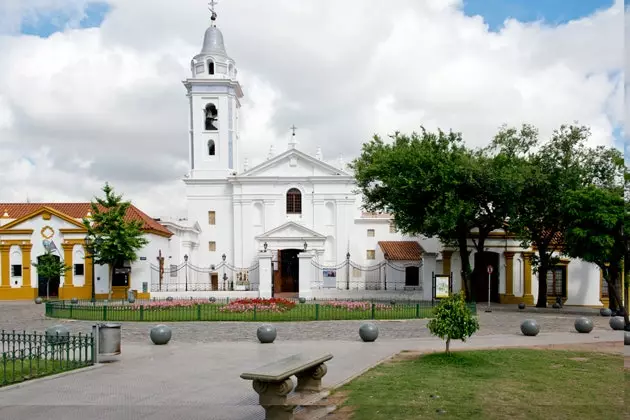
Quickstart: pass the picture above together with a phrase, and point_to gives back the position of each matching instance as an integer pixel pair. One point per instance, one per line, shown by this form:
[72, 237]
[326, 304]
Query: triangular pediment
[291, 230]
[293, 163]
[45, 212]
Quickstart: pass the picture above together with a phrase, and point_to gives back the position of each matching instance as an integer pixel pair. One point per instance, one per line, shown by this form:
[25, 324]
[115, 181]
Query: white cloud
[85, 106]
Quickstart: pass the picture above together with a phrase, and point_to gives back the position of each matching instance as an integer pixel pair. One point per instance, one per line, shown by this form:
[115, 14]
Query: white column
[429, 264]
[265, 273]
[306, 274]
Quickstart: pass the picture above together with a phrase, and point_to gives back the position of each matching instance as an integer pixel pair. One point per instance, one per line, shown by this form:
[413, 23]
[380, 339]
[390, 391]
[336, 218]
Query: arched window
[210, 67]
[211, 117]
[211, 148]
[294, 201]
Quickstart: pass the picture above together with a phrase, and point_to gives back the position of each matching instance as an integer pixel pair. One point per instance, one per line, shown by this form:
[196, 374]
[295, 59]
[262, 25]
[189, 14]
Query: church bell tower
[213, 94]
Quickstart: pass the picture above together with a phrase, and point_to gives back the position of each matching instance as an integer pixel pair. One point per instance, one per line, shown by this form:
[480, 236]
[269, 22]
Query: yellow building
[28, 230]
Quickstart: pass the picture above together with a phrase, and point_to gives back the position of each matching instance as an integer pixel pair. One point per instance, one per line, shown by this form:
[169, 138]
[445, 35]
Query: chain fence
[188, 277]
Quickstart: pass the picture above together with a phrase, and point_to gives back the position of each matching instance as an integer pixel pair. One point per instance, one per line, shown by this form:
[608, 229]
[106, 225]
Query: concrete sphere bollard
[160, 334]
[212, 299]
[266, 333]
[38, 300]
[169, 299]
[57, 334]
[368, 332]
[583, 325]
[617, 323]
[521, 305]
[605, 312]
[74, 300]
[626, 338]
[302, 300]
[530, 327]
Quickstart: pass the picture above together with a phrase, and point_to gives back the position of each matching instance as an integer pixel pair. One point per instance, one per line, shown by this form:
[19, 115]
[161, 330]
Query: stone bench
[273, 384]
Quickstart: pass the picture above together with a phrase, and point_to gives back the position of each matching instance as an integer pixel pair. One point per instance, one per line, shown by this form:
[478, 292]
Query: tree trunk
[543, 267]
[448, 344]
[111, 281]
[614, 293]
[464, 254]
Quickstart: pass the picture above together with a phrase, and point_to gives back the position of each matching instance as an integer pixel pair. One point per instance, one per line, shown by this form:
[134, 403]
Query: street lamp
[186, 269]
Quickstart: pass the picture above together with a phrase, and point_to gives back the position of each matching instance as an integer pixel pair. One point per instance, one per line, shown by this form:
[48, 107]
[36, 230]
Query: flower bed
[165, 304]
[355, 306]
[262, 305]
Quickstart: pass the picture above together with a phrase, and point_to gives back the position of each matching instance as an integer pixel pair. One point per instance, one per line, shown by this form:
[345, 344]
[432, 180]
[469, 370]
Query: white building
[293, 224]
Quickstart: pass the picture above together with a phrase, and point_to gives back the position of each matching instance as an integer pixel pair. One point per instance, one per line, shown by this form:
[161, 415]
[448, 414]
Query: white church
[290, 226]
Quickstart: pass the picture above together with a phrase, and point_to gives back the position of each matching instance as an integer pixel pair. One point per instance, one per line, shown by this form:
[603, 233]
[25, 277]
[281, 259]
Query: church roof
[78, 211]
[401, 250]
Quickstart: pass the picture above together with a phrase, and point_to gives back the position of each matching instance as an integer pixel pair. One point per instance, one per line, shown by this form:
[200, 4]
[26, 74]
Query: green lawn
[489, 385]
[212, 312]
[13, 371]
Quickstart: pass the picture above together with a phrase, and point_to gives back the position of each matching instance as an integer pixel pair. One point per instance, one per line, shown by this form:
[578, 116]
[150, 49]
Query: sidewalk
[184, 381]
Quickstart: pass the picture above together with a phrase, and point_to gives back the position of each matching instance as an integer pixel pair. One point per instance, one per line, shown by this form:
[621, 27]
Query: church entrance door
[287, 277]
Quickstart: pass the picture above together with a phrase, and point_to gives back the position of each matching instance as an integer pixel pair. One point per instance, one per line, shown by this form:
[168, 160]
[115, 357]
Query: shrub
[453, 320]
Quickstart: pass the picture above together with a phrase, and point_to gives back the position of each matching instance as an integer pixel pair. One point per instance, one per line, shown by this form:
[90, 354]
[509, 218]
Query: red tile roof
[79, 211]
[401, 250]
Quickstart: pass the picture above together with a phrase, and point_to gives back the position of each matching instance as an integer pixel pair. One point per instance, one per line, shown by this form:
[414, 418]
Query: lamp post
[186, 269]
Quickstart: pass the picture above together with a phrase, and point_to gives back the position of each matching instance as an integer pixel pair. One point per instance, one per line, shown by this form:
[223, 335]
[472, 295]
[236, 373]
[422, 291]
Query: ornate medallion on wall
[47, 232]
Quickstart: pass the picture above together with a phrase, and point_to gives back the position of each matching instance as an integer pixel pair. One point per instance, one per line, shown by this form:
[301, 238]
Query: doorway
[480, 277]
[48, 286]
[412, 276]
[287, 278]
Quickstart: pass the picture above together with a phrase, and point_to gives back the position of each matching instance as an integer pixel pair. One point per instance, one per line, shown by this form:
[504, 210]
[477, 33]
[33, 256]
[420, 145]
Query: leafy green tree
[561, 165]
[419, 178]
[50, 266]
[453, 320]
[113, 239]
[435, 186]
[596, 234]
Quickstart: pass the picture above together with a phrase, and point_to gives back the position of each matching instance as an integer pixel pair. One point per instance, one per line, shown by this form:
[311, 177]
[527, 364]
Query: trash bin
[109, 339]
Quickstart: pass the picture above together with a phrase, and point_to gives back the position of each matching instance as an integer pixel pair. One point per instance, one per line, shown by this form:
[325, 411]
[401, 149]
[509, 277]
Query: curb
[50, 377]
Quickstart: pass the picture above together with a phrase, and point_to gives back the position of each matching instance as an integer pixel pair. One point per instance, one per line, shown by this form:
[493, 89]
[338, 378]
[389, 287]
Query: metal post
[186, 270]
[95, 334]
[348, 271]
[489, 276]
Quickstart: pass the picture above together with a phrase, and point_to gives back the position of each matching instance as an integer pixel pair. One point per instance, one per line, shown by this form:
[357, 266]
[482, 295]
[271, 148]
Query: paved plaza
[196, 376]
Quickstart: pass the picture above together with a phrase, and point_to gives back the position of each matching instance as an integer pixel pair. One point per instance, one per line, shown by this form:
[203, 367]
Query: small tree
[49, 267]
[453, 320]
[113, 239]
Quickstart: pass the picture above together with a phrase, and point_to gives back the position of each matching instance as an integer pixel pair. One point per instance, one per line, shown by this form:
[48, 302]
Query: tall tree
[50, 266]
[596, 234]
[421, 179]
[561, 165]
[113, 239]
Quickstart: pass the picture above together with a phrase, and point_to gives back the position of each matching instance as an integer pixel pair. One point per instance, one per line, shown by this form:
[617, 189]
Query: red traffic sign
[489, 269]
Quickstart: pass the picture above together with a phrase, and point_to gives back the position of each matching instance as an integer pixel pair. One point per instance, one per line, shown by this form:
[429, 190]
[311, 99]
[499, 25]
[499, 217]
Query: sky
[90, 91]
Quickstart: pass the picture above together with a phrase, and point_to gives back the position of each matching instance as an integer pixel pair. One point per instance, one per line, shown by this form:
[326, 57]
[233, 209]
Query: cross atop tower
[211, 5]
[292, 141]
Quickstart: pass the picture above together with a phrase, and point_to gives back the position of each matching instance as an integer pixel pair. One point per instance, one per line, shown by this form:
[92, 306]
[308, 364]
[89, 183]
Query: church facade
[293, 225]
[289, 226]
